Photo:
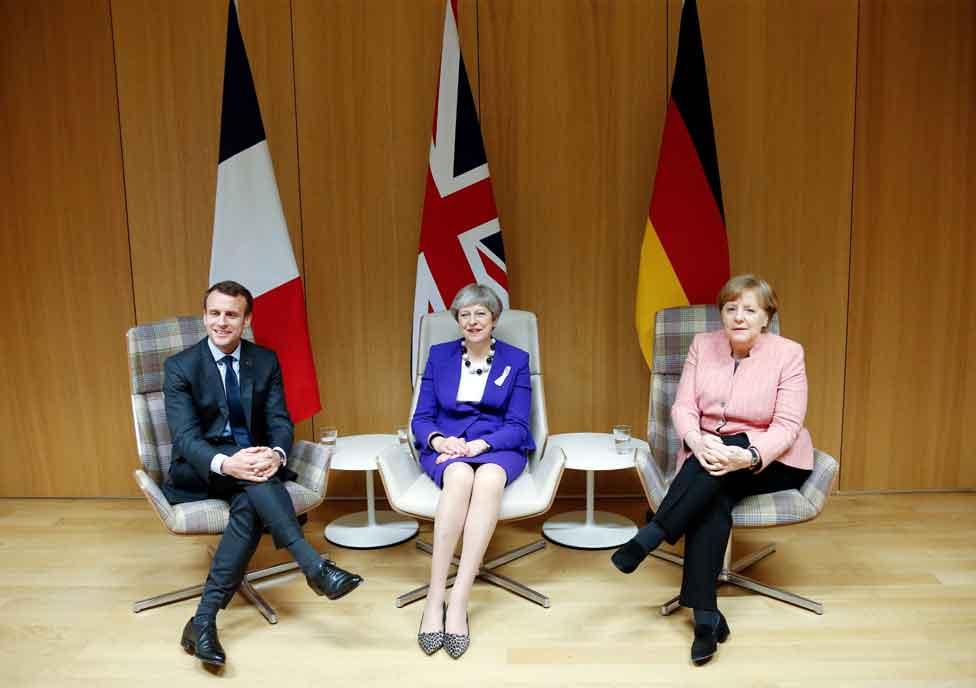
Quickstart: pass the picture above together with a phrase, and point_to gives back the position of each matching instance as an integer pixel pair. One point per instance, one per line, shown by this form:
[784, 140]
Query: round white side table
[371, 528]
[589, 529]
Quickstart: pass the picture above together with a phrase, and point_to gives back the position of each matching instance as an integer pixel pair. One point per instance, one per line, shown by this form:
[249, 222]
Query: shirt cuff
[430, 438]
[282, 454]
[217, 463]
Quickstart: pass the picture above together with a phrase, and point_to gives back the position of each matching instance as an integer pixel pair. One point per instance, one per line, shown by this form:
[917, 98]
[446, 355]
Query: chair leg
[669, 557]
[775, 593]
[486, 573]
[254, 597]
[167, 598]
[731, 573]
[750, 559]
[247, 590]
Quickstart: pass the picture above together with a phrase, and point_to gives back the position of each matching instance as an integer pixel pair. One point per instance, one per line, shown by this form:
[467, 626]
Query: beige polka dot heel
[430, 642]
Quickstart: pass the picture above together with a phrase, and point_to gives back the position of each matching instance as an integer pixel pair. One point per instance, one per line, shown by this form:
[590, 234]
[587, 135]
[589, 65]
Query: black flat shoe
[203, 643]
[707, 638]
[430, 642]
[331, 581]
[629, 556]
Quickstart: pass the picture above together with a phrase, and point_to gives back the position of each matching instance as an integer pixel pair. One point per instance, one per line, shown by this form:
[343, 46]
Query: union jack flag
[460, 236]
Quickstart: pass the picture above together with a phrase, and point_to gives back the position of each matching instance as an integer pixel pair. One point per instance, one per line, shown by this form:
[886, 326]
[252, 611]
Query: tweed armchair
[413, 493]
[149, 347]
[674, 330]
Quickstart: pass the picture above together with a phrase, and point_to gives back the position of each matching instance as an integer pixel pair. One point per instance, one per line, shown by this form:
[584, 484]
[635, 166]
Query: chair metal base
[247, 591]
[487, 573]
[731, 574]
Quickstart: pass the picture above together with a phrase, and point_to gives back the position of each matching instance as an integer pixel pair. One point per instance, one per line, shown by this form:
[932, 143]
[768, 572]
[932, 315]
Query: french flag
[250, 237]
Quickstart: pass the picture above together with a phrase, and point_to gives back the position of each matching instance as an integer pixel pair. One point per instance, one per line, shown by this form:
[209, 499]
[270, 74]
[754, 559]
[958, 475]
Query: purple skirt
[512, 462]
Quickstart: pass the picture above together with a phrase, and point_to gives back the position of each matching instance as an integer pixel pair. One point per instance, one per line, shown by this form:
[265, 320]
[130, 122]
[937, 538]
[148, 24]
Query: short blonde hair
[765, 295]
[477, 295]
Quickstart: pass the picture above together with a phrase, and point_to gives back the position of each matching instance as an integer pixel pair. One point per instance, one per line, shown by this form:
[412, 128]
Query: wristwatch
[756, 461]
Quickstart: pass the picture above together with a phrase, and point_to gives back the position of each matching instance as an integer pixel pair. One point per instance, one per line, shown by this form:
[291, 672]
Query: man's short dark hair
[231, 288]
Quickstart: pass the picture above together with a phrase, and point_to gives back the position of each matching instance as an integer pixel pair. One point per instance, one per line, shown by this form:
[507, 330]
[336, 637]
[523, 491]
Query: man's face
[225, 320]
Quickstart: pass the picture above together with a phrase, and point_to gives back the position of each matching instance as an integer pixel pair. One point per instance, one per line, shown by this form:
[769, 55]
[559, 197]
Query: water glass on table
[621, 438]
[328, 437]
[403, 435]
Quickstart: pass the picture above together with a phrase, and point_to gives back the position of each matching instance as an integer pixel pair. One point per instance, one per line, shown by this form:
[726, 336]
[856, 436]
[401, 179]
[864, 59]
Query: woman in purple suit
[471, 426]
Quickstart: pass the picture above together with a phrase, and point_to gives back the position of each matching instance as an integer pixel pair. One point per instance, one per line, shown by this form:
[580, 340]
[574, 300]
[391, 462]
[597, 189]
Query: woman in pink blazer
[739, 410]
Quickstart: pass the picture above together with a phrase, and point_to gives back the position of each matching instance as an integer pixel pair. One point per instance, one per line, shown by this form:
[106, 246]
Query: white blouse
[471, 388]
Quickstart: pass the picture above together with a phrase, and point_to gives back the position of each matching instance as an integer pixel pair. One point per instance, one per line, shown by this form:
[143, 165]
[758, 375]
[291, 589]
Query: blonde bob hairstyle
[739, 284]
[477, 295]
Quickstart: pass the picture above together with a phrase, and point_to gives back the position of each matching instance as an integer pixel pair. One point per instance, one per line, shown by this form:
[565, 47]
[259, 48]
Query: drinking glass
[621, 438]
[328, 436]
[403, 436]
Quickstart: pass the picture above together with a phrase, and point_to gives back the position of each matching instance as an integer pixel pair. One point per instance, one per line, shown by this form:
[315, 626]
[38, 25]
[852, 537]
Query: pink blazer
[766, 398]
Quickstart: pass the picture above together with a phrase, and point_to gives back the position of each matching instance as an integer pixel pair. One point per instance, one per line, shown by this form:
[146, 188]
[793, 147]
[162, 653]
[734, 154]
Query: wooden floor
[896, 573]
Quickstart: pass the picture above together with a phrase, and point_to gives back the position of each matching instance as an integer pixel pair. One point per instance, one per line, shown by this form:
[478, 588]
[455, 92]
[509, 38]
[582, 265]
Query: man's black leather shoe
[707, 638]
[331, 581]
[203, 643]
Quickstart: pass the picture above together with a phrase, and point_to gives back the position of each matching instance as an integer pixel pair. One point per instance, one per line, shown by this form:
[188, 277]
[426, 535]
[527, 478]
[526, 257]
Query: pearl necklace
[467, 360]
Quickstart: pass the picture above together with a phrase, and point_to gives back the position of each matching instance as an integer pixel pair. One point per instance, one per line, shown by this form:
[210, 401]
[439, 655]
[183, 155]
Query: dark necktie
[238, 422]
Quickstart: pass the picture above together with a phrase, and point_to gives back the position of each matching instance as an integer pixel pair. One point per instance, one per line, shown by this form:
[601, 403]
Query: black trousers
[253, 507]
[698, 506]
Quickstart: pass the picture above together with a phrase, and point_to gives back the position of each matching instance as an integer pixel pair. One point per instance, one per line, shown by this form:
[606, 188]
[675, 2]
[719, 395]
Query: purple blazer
[501, 418]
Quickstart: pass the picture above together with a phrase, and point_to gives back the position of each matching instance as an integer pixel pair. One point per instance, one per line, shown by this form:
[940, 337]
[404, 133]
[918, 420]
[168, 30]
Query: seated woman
[739, 408]
[471, 426]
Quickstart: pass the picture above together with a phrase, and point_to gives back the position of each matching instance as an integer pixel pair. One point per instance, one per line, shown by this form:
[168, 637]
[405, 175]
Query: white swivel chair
[411, 492]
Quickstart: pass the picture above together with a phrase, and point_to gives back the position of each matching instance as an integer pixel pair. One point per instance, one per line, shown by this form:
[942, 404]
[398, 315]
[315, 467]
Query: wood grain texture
[366, 77]
[781, 80]
[64, 410]
[573, 98]
[911, 368]
[897, 576]
[170, 60]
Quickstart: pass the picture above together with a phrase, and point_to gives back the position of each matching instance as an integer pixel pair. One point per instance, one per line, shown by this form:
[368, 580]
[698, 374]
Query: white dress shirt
[471, 388]
[216, 464]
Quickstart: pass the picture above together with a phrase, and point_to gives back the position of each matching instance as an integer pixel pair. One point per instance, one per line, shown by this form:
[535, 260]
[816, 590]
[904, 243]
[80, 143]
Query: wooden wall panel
[573, 99]
[64, 410]
[911, 367]
[366, 77]
[170, 59]
[781, 80]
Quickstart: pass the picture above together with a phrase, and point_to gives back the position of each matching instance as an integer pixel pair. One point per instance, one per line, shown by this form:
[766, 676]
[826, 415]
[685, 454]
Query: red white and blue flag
[250, 236]
[460, 236]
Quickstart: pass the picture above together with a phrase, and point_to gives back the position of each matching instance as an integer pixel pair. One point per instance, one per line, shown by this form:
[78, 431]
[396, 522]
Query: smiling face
[225, 321]
[476, 323]
[744, 321]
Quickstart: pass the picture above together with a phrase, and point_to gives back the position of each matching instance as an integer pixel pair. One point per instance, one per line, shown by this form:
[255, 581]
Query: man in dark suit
[231, 431]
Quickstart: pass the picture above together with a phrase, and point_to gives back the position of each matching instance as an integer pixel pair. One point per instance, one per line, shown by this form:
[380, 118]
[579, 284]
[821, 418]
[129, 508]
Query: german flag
[685, 253]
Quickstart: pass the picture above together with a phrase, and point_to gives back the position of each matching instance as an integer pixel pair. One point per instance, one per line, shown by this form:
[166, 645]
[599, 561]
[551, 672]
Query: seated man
[231, 431]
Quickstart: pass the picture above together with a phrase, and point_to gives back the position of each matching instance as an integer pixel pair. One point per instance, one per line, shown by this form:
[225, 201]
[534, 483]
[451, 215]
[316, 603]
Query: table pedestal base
[356, 532]
[603, 531]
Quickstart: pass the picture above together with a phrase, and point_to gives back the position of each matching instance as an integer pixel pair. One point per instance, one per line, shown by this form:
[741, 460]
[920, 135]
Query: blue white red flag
[251, 244]
[460, 236]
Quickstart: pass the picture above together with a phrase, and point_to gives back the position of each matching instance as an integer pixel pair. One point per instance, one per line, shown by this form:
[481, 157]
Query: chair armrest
[652, 479]
[311, 462]
[821, 480]
[156, 498]
[548, 470]
[398, 471]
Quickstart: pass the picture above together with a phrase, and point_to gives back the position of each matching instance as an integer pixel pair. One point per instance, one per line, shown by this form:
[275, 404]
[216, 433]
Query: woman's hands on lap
[716, 457]
[456, 447]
